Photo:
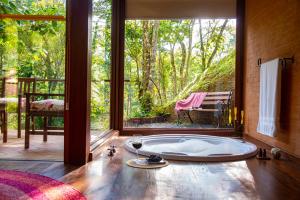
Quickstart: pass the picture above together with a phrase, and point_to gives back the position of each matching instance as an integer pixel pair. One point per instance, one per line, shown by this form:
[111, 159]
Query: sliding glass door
[32, 66]
[101, 69]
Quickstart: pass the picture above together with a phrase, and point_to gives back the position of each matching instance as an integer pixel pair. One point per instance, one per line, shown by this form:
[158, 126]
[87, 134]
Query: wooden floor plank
[111, 178]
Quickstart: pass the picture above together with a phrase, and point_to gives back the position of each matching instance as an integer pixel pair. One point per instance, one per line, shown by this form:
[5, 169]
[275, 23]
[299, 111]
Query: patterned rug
[16, 185]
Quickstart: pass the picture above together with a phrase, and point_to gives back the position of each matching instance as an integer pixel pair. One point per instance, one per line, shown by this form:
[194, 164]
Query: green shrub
[146, 103]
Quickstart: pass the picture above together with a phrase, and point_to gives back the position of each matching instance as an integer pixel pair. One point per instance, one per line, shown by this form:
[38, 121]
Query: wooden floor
[106, 178]
[52, 150]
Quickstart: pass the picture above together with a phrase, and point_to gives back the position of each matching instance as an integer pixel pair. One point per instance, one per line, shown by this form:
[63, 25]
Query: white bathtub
[194, 147]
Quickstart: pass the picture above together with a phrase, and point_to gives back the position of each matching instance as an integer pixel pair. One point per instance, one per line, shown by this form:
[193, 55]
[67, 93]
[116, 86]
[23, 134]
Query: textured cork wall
[273, 30]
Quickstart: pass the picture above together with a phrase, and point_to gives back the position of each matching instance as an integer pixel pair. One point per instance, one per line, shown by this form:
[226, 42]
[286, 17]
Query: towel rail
[282, 60]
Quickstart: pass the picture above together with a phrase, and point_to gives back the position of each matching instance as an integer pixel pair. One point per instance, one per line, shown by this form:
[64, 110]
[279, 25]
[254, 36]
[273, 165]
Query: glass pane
[33, 7]
[101, 68]
[179, 73]
[32, 60]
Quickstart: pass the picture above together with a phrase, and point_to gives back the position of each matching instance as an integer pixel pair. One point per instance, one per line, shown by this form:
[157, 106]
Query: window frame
[117, 97]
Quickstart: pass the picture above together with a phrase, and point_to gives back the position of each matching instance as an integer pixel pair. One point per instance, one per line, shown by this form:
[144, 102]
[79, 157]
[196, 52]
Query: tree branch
[217, 44]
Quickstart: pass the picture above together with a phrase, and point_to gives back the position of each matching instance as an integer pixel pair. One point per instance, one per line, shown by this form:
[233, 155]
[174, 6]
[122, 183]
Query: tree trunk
[158, 90]
[217, 43]
[138, 80]
[183, 64]
[150, 37]
[173, 70]
[146, 55]
[189, 53]
[162, 78]
[154, 38]
[202, 53]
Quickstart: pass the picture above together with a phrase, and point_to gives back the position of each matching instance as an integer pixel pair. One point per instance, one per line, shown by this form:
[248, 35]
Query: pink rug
[16, 185]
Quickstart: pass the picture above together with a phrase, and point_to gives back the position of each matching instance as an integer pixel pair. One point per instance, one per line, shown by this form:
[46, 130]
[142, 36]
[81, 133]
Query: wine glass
[137, 144]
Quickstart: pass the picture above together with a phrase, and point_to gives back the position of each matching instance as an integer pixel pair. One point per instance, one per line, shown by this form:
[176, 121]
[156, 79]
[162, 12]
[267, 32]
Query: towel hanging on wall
[270, 96]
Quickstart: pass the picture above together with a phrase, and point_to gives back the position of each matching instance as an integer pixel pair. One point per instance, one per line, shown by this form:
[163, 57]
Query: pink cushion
[48, 105]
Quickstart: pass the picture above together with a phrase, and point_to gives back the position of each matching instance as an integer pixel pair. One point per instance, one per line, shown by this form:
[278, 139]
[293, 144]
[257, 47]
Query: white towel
[270, 96]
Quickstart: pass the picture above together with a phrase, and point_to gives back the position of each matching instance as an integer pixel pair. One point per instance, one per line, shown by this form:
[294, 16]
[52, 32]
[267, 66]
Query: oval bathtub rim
[191, 158]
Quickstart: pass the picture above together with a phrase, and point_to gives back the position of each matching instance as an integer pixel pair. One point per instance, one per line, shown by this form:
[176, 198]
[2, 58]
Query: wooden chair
[43, 105]
[216, 102]
[24, 85]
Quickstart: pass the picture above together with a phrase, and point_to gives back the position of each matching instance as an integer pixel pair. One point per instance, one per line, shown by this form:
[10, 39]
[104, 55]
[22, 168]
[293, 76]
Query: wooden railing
[33, 17]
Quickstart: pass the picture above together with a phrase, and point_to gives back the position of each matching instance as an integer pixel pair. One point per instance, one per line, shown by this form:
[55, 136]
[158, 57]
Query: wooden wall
[272, 30]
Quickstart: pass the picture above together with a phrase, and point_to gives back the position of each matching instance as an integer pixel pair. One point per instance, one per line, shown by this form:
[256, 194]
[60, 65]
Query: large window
[171, 64]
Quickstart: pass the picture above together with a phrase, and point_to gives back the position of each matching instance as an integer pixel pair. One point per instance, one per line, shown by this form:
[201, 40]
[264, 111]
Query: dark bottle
[260, 153]
[264, 155]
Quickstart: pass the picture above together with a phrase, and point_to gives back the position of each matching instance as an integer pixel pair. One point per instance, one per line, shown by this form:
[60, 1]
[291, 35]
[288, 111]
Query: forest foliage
[167, 60]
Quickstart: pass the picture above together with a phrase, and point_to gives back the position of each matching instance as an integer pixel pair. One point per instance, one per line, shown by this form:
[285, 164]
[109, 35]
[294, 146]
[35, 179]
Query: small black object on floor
[112, 150]
[154, 159]
[262, 154]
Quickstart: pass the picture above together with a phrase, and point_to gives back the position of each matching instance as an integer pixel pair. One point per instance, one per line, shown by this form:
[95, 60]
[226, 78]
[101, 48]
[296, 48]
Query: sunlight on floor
[209, 179]
[38, 150]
